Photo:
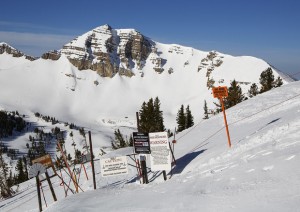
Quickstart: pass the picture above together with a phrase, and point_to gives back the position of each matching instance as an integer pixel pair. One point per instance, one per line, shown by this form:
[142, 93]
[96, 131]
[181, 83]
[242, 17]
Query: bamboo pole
[65, 160]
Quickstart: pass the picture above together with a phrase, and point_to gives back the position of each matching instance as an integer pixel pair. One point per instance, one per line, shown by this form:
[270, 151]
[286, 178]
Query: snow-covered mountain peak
[8, 49]
[175, 73]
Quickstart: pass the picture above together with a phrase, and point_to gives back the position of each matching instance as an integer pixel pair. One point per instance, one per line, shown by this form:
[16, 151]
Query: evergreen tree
[21, 175]
[235, 95]
[181, 120]
[25, 166]
[170, 134]
[77, 156]
[10, 180]
[253, 91]
[5, 181]
[143, 118]
[158, 116]
[151, 117]
[189, 119]
[278, 82]
[266, 80]
[113, 145]
[130, 141]
[205, 110]
[60, 161]
[119, 139]
[69, 158]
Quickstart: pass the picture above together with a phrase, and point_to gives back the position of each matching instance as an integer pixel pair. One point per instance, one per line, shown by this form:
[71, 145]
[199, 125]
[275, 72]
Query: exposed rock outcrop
[108, 51]
[4, 47]
[51, 55]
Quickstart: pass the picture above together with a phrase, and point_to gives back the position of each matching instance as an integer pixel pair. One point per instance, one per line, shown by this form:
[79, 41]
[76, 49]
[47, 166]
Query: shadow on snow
[185, 160]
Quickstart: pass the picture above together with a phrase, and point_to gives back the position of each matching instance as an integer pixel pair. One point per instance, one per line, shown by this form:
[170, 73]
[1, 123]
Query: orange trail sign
[221, 92]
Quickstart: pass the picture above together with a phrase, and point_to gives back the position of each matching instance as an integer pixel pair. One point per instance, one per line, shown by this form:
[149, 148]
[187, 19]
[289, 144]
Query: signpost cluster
[157, 146]
[154, 146]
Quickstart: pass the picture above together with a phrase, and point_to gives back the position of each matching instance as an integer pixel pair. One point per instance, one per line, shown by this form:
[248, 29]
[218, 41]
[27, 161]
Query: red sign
[220, 91]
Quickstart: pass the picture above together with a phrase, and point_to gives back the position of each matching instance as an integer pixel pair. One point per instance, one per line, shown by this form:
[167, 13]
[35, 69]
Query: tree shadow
[185, 160]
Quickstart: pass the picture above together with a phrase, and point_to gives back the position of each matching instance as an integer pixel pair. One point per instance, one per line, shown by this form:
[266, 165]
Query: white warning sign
[160, 157]
[113, 166]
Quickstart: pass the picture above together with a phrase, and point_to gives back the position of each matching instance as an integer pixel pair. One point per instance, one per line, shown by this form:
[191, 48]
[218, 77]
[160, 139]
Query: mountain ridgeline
[127, 64]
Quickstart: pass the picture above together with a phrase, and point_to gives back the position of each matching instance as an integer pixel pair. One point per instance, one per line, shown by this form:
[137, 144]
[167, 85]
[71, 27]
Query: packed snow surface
[258, 173]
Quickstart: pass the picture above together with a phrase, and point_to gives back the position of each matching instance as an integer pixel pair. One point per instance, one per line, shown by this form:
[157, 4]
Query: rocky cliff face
[14, 52]
[108, 51]
[51, 55]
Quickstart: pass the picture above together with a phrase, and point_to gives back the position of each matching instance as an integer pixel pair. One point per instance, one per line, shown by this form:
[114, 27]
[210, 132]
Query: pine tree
[151, 117]
[130, 141]
[143, 117]
[119, 139]
[235, 95]
[181, 120]
[253, 91]
[21, 175]
[69, 158]
[170, 134]
[25, 166]
[5, 181]
[60, 160]
[205, 110]
[189, 118]
[266, 80]
[278, 82]
[158, 116]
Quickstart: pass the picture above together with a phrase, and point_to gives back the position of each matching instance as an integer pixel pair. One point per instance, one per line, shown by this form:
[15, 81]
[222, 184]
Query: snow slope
[57, 88]
[259, 173]
[208, 175]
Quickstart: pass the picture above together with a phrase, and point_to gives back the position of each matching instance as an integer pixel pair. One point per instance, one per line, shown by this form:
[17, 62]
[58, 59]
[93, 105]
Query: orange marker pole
[65, 160]
[225, 120]
[85, 171]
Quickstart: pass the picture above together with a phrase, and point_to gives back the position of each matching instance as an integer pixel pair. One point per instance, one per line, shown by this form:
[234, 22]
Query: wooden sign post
[92, 160]
[220, 93]
[46, 161]
[34, 171]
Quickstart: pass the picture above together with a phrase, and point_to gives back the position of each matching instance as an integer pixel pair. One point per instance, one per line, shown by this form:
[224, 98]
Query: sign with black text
[113, 166]
[141, 143]
[160, 157]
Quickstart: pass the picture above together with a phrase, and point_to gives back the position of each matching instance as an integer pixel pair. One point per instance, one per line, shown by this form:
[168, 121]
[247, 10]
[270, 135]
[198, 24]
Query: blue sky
[267, 29]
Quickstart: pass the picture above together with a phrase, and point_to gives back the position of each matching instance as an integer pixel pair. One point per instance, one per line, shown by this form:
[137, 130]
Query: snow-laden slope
[259, 173]
[57, 88]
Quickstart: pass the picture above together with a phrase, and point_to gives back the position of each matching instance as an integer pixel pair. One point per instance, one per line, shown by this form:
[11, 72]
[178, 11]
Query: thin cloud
[28, 27]
[39, 43]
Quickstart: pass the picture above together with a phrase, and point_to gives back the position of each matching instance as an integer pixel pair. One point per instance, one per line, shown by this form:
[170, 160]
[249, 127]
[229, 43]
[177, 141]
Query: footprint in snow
[291, 157]
[268, 168]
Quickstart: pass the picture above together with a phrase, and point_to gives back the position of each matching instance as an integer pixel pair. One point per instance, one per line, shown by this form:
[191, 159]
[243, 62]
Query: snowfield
[259, 173]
